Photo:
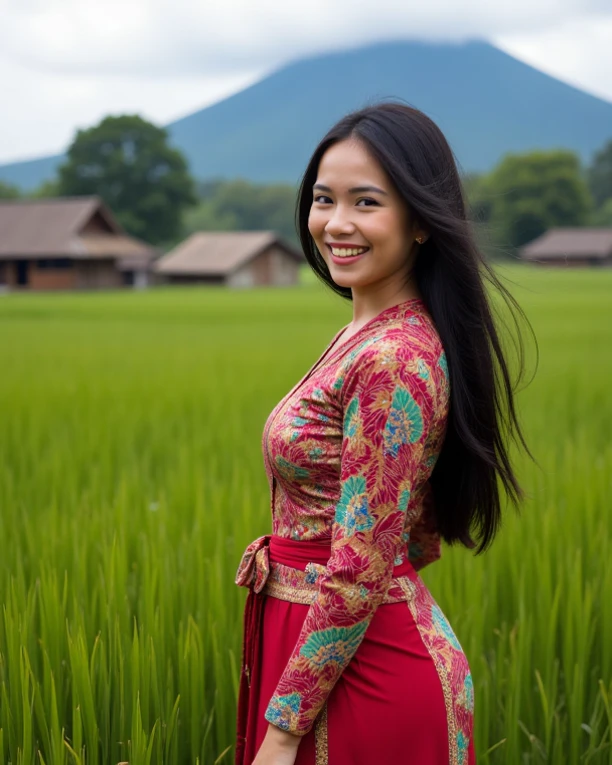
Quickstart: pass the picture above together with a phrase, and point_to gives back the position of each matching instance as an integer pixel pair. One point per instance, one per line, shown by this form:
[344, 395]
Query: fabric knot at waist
[271, 551]
[254, 567]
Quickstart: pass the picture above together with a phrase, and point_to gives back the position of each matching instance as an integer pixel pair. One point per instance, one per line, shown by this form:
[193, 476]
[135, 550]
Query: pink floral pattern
[348, 453]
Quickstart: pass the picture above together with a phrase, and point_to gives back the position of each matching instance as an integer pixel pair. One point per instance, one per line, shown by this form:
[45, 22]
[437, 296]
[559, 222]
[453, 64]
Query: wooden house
[233, 259]
[68, 243]
[570, 247]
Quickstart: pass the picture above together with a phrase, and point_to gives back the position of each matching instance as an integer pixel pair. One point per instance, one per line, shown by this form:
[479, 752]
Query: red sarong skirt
[391, 704]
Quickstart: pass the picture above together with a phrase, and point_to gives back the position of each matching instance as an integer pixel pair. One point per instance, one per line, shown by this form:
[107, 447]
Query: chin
[344, 280]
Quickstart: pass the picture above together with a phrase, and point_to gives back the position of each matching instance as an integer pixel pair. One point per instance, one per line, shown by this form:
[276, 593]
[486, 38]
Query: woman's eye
[322, 199]
[368, 202]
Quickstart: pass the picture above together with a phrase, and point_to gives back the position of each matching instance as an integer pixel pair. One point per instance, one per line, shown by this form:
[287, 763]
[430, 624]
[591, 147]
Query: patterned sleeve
[387, 408]
[424, 546]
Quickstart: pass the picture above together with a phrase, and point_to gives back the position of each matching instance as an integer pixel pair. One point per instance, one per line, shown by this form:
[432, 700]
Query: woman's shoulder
[405, 351]
[409, 335]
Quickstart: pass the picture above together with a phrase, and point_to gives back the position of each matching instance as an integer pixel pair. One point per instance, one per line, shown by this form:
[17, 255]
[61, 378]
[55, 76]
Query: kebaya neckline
[396, 307]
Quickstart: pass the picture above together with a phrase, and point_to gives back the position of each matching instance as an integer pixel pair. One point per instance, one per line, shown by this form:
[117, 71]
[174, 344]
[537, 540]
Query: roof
[570, 243]
[219, 253]
[64, 227]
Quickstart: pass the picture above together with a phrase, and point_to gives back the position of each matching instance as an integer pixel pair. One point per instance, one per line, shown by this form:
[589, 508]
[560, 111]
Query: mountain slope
[485, 101]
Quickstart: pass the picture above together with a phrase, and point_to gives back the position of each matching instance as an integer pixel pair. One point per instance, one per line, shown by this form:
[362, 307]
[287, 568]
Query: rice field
[131, 480]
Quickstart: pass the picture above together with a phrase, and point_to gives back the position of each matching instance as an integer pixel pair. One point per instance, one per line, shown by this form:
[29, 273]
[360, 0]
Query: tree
[242, 206]
[8, 191]
[128, 163]
[47, 190]
[535, 191]
[600, 175]
[478, 197]
[603, 215]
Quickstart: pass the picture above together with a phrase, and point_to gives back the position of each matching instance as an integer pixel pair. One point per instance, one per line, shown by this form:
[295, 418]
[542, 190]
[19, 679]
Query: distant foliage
[480, 200]
[128, 162]
[526, 194]
[603, 215]
[242, 206]
[600, 175]
[536, 191]
[46, 190]
[7, 191]
[600, 184]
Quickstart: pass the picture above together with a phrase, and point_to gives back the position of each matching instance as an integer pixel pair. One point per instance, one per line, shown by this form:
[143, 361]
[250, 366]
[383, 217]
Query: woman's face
[359, 222]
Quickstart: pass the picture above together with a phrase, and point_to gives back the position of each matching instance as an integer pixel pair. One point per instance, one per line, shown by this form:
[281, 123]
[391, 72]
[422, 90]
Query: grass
[131, 480]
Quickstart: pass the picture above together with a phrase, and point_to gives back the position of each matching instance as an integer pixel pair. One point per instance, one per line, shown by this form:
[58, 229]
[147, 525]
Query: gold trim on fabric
[321, 741]
[453, 749]
[292, 594]
[292, 585]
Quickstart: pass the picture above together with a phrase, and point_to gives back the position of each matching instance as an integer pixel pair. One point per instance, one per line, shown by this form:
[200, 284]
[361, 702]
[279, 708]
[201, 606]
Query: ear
[419, 231]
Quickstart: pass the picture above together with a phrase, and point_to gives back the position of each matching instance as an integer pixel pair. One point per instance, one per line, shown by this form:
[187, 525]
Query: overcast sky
[65, 64]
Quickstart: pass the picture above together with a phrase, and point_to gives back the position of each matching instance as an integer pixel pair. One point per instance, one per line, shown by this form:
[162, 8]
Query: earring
[419, 239]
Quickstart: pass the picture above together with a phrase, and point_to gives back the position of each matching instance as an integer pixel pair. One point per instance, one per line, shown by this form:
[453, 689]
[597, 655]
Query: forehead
[350, 162]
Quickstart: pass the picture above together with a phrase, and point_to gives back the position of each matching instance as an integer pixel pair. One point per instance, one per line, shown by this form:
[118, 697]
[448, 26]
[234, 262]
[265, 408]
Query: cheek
[316, 223]
[385, 229]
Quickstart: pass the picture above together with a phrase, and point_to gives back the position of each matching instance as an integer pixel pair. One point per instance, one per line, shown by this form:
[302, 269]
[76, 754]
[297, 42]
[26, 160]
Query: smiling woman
[393, 441]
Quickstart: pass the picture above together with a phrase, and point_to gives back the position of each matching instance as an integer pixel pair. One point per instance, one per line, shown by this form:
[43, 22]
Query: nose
[339, 222]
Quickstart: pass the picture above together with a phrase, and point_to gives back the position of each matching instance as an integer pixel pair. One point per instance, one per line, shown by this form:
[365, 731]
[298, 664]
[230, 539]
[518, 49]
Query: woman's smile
[346, 253]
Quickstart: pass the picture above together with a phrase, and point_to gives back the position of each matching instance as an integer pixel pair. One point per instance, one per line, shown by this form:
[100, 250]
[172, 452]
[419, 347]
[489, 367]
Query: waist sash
[289, 569]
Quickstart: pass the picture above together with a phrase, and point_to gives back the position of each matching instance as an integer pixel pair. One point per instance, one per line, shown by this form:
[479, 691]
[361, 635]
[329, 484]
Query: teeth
[346, 252]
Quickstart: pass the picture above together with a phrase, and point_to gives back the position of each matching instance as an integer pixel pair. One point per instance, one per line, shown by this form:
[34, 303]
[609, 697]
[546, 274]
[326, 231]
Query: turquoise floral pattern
[404, 421]
[350, 418]
[333, 644]
[443, 364]
[290, 471]
[352, 511]
[285, 710]
[442, 624]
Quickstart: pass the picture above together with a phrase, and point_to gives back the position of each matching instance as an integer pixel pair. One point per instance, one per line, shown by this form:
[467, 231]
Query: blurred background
[155, 306]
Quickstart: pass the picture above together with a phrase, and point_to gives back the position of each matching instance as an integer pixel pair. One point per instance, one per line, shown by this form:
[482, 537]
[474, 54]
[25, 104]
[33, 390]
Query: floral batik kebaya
[347, 630]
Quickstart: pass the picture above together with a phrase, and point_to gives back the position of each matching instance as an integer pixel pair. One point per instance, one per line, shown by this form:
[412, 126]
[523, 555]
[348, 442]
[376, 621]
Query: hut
[232, 259]
[570, 247]
[68, 243]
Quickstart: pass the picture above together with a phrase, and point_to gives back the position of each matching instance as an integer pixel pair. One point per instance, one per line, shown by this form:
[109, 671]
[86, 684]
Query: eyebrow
[354, 190]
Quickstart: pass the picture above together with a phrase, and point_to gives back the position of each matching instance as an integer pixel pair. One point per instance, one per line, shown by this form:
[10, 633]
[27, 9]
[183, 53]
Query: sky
[65, 64]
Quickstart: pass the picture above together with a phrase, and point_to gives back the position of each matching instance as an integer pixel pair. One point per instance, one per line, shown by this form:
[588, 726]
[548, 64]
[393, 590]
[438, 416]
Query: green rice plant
[131, 479]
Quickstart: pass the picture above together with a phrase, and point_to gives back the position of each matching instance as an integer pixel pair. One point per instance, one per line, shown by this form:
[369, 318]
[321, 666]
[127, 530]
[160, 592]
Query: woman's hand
[277, 748]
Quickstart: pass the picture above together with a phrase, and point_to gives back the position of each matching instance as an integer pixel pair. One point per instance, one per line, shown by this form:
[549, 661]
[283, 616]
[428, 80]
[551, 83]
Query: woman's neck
[368, 303]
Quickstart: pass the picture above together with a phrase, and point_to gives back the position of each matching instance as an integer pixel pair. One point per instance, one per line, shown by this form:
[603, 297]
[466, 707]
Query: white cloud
[67, 63]
[44, 109]
[146, 37]
[577, 51]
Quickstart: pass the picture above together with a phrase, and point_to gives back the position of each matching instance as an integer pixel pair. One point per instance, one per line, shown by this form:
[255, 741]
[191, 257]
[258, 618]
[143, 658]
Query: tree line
[131, 165]
[526, 194]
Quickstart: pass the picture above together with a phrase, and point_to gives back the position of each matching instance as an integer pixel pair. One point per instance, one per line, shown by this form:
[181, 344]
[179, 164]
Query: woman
[391, 442]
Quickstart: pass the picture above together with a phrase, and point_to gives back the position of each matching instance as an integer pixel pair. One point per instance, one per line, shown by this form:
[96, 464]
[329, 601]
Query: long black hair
[451, 273]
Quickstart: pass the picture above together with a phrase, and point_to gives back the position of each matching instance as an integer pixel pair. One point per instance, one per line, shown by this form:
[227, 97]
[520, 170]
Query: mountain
[486, 102]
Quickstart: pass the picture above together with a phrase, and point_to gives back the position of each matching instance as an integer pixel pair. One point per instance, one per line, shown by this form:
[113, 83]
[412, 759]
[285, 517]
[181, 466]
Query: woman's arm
[424, 543]
[277, 748]
[387, 410]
